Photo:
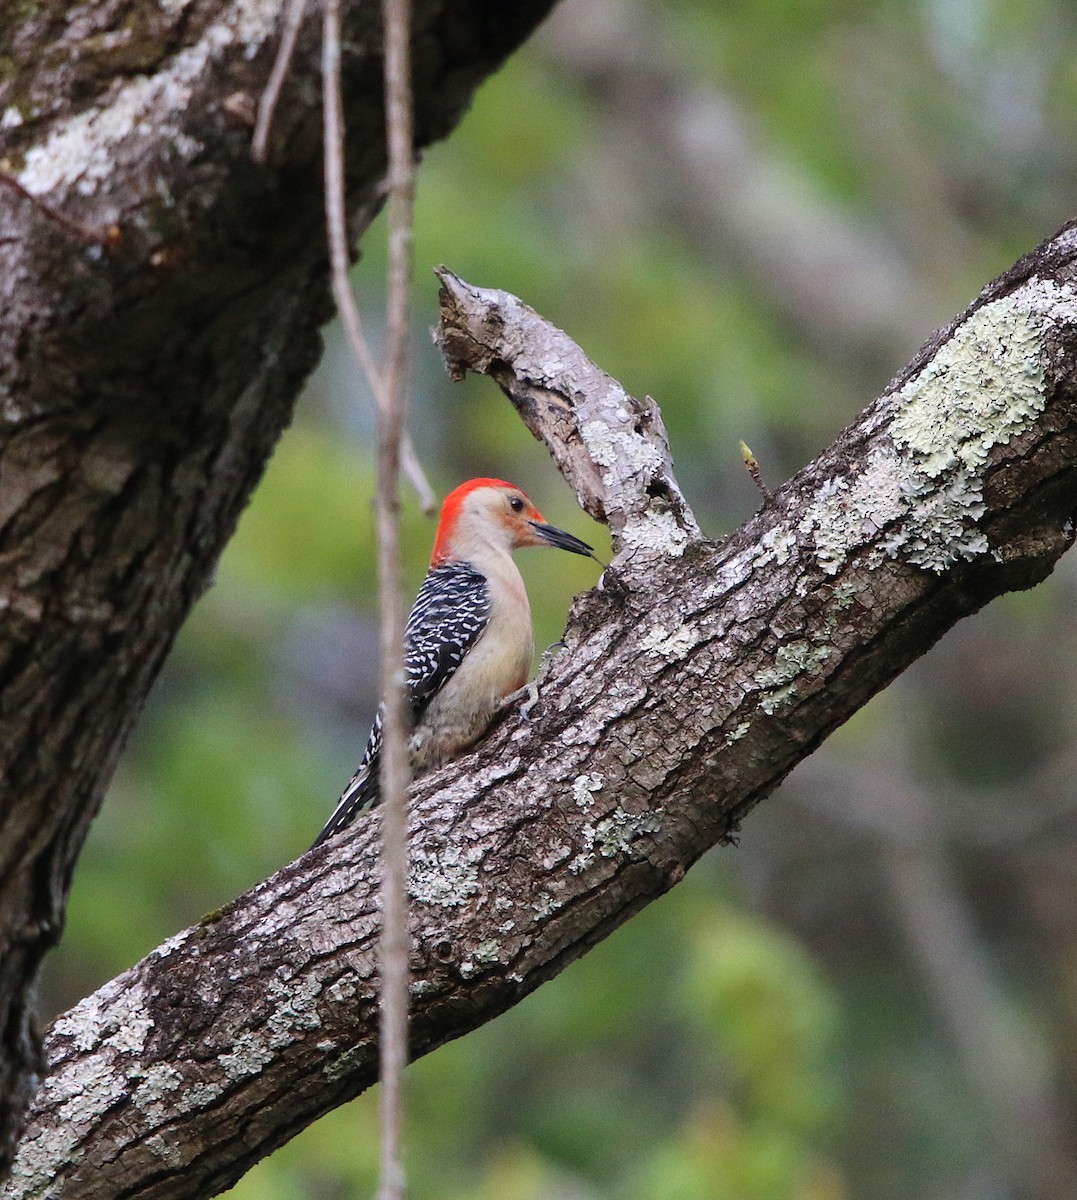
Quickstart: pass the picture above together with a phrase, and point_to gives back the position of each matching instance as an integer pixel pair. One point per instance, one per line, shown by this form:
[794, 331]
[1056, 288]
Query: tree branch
[611, 447]
[694, 677]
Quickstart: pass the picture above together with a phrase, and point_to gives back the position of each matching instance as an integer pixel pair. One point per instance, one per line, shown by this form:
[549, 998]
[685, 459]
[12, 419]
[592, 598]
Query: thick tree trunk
[693, 678]
[144, 380]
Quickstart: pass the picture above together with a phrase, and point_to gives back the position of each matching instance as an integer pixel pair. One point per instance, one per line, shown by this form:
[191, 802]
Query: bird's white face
[504, 516]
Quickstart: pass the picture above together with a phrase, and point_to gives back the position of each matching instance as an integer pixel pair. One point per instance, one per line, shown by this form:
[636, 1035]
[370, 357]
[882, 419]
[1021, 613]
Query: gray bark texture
[148, 365]
[692, 679]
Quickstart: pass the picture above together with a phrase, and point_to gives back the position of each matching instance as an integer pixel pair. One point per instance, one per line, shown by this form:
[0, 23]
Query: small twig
[267, 106]
[752, 463]
[394, 944]
[394, 451]
[98, 237]
[610, 446]
[337, 222]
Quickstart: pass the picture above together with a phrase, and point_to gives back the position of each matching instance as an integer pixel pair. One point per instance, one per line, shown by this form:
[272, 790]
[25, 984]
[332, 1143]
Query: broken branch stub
[611, 447]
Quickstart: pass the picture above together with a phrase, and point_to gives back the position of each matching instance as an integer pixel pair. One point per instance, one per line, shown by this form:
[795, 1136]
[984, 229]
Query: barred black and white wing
[447, 618]
[449, 613]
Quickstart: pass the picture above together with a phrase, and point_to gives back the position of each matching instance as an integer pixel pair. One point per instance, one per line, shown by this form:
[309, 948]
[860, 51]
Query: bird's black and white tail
[363, 792]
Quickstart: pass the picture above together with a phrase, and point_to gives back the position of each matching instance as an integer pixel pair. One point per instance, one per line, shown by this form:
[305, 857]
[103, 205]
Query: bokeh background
[754, 211]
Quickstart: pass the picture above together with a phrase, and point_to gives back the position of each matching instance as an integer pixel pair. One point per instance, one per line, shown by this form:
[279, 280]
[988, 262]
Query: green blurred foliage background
[755, 212]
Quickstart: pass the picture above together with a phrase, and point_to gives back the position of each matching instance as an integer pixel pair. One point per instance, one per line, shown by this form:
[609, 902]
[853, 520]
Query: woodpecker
[468, 642]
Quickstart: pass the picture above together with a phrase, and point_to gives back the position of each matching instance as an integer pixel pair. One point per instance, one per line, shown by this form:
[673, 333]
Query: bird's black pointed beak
[562, 540]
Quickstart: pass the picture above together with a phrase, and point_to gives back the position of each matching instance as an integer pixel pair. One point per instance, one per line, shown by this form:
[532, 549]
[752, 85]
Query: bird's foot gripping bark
[529, 694]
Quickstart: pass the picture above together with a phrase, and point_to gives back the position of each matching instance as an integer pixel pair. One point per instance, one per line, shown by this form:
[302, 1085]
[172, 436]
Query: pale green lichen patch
[584, 787]
[614, 834]
[131, 1036]
[198, 1095]
[845, 513]
[545, 905]
[792, 662]
[655, 533]
[669, 644]
[924, 485]
[775, 547]
[166, 1152]
[85, 1106]
[171, 945]
[620, 448]
[347, 1064]
[627, 462]
[249, 1054]
[294, 1010]
[446, 881]
[156, 1087]
[772, 702]
[985, 385]
[342, 990]
[845, 594]
[114, 1017]
[41, 1154]
[981, 388]
[942, 529]
[487, 954]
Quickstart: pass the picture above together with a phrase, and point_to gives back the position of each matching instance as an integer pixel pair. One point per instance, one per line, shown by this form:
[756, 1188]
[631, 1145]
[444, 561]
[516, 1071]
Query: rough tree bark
[144, 382]
[693, 678]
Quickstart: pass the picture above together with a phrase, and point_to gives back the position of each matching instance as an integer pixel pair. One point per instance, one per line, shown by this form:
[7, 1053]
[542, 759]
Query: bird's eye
[516, 504]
